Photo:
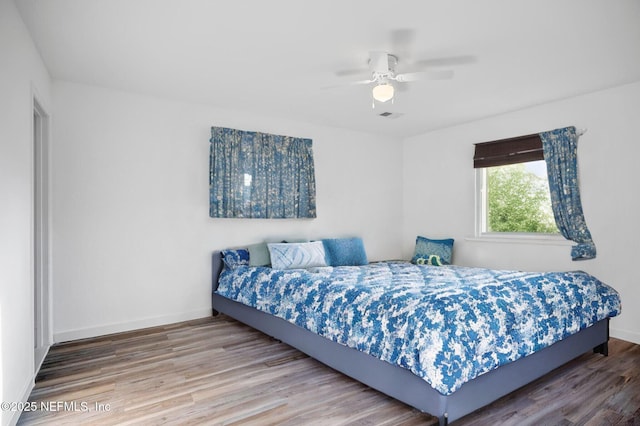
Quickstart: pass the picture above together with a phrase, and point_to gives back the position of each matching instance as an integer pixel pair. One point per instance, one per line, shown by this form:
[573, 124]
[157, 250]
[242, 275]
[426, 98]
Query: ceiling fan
[385, 78]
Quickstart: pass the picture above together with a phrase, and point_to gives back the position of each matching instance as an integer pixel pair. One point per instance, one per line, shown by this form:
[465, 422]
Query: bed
[443, 384]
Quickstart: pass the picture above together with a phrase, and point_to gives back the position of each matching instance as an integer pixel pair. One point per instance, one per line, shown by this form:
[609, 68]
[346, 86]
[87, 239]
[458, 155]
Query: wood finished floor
[217, 371]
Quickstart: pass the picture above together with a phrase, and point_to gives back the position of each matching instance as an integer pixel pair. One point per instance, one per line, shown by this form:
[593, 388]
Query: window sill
[515, 238]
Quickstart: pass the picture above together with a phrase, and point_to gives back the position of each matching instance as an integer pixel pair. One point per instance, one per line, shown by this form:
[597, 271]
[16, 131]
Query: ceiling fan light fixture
[383, 92]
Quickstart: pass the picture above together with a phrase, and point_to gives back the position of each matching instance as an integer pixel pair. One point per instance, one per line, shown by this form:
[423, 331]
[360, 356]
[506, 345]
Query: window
[259, 175]
[512, 189]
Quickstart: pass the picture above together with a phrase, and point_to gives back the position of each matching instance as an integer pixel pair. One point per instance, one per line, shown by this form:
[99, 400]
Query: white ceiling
[275, 57]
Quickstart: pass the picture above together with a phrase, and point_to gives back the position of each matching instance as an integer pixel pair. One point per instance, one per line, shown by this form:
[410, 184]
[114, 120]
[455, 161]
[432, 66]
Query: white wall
[439, 191]
[132, 236]
[132, 232]
[21, 74]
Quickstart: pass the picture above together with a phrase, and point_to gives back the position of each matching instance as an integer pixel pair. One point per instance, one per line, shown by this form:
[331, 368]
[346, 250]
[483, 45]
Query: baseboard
[40, 355]
[15, 415]
[83, 333]
[629, 336]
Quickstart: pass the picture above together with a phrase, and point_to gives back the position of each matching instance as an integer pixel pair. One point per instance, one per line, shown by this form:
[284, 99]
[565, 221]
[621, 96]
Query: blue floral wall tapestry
[560, 148]
[260, 175]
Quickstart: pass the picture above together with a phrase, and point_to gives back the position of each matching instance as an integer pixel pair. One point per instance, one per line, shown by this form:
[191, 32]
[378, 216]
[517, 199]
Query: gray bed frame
[400, 383]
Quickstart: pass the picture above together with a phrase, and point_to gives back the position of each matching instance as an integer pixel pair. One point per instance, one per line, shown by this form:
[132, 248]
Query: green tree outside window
[518, 200]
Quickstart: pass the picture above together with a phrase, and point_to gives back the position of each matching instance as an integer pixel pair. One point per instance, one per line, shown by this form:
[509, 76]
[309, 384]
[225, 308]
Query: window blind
[502, 152]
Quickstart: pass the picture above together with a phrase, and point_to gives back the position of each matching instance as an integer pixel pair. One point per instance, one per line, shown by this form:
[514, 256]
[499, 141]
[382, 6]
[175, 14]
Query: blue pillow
[345, 251]
[236, 257]
[432, 252]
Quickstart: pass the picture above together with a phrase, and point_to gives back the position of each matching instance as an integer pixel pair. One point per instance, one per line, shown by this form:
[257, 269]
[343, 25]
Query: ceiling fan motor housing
[382, 63]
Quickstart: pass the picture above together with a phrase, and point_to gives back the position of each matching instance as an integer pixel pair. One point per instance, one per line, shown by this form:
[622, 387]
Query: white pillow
[297, 255]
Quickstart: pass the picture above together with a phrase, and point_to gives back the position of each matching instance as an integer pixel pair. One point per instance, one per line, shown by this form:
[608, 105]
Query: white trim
[83, 333]
[480, 202]
[41, 169]
[15, 415]
[626, 335]
[516, 238]
[27, 391]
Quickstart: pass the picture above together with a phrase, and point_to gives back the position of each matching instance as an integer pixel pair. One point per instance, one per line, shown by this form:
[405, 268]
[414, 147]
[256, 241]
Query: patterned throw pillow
[236, 257]
[297, 255]
[432, 252]
[432, 259]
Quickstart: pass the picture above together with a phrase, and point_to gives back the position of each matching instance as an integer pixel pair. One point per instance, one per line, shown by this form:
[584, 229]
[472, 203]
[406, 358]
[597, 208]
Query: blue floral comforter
[446, 324]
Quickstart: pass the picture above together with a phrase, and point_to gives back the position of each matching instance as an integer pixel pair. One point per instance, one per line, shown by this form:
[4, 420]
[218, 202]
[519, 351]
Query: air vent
[388, 114]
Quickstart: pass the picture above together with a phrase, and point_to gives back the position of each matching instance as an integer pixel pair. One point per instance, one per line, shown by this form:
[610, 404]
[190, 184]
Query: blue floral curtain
[560, 148]
[259, 175]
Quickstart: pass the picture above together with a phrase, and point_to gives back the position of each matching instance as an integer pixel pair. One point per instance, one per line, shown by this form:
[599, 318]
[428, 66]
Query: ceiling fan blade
[401, 42]
[402, 87]
[425, 75]
[351, 83]
[447, 61]
[354, 83]
[355, 71]
[402, 37]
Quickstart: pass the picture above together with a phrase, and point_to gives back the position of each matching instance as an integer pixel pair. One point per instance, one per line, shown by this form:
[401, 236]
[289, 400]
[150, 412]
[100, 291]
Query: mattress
[446, 324]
